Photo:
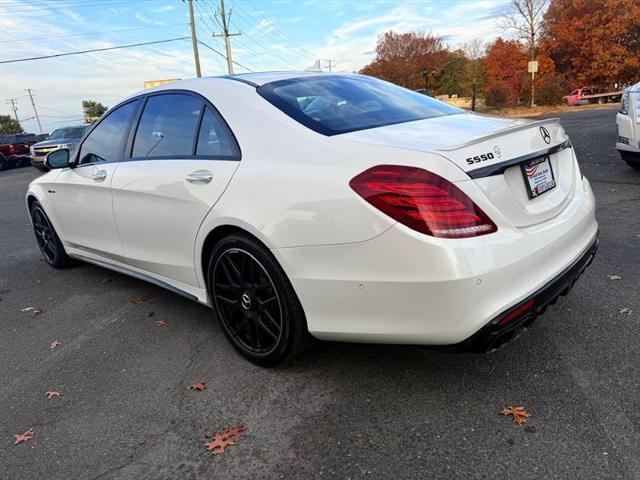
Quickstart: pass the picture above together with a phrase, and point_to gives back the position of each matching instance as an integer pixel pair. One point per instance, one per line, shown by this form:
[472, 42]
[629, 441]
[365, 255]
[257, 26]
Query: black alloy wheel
[256, 305]
[247, 301]
[47, 238]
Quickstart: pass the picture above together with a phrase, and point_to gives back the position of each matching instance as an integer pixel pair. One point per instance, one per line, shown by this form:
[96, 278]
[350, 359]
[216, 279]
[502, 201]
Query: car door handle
[99, 175]
[200, 177]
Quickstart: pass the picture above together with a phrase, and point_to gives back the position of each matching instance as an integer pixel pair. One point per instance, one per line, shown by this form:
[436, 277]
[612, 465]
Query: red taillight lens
[423, 201]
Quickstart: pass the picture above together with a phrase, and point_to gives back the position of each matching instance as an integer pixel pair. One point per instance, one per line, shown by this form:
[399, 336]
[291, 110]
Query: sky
[275, 35]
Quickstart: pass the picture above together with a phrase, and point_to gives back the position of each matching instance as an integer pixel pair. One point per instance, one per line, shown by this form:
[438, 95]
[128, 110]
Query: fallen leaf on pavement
[613, 190]
[160, 323]
[23, 437]
[614, 277]
[54, 344]
[139, 300]
[224, 438]
[625, 311]
[519, 414]
[52, 393]
[32, 310]
[198, 387]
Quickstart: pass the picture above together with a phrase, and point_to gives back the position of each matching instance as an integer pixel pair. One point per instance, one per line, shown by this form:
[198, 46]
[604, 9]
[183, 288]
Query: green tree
[9, 125]
[92, 110]
[453, 77]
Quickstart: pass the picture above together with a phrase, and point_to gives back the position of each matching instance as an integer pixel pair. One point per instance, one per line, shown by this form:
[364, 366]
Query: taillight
[423, 201]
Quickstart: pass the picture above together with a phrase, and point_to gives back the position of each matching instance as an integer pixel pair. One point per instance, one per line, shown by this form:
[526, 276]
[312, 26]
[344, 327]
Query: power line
[265, 54]
[223, 55]
[93, 50]
[92, 33]
[291, 45]
[83, 4]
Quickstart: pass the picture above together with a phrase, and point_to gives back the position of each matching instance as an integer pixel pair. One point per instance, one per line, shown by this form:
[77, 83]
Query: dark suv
[66, 137]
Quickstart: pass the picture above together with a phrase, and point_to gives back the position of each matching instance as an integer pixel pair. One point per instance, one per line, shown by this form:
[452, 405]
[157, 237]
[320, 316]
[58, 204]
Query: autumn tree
[92, 110]
[594, 42]
[402, 57]
[9, 125]
[505, 68]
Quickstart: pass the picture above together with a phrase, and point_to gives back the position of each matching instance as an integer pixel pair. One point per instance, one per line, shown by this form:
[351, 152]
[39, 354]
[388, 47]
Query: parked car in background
[628, 122]
[66, 137]
[14, 149]
[585, 95]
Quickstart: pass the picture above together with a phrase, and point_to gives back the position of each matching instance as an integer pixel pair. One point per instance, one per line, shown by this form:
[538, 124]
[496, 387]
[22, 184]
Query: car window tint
[104, 142]
[167, 126]
[213, 139]
[331, 104]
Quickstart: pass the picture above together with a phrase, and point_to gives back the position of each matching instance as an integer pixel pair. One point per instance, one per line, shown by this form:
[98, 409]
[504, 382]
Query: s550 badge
[480, 158]
[497, 153]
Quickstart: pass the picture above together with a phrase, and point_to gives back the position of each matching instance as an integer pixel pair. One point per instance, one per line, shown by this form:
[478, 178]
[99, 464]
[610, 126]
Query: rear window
[334, 104]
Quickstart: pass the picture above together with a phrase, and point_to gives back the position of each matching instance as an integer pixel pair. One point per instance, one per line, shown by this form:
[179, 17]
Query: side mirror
[57, 159]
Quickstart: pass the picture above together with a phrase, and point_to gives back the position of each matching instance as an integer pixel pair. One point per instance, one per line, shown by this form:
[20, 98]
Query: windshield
[62, 133]
[334, 104]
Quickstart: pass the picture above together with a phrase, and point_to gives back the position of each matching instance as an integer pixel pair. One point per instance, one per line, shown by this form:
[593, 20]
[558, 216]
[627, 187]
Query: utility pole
[225, 34]
[330, 64]
[34, 110]
[12, 102]
[194, 39]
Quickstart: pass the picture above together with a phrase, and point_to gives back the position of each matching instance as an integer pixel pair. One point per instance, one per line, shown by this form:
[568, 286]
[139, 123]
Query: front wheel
[47, 238]
[255, 302]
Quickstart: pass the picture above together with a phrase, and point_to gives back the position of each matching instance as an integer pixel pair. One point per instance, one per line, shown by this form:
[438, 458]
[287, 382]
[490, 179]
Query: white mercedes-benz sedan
[341, 207]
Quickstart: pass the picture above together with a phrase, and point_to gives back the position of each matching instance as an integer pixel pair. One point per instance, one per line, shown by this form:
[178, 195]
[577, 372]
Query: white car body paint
[359, 274]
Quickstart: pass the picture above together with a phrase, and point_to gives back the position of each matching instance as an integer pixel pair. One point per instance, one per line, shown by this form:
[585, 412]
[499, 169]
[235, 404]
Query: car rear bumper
[511, 322]
[404, 287]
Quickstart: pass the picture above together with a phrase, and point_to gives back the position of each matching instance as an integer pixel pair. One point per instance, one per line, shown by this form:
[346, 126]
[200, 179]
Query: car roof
[260, 78]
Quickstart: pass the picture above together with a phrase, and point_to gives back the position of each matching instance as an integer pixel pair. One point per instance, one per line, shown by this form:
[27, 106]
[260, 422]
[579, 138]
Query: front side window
[105, 141]
[168, 126]
[333, 104]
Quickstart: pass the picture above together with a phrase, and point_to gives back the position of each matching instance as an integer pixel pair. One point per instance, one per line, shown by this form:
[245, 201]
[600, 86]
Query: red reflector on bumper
[521, 310]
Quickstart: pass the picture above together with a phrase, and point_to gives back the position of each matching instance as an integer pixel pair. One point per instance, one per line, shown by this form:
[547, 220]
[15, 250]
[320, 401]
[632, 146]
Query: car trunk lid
[491, 151]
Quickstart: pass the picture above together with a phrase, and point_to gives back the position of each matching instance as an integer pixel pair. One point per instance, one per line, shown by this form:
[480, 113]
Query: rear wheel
[47, 238]
[255, 302]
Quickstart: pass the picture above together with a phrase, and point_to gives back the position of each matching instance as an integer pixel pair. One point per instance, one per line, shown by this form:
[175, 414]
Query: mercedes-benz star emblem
[245, 301]
[545, 135]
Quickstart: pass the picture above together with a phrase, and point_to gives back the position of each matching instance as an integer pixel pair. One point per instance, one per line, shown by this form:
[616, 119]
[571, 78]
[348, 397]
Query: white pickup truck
[628, 121]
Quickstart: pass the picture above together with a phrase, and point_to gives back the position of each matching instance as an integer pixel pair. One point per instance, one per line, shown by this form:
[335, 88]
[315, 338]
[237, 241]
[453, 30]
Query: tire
[630, 158]
[47, 238]
[3, 162]
[635, 165]
[256, 305]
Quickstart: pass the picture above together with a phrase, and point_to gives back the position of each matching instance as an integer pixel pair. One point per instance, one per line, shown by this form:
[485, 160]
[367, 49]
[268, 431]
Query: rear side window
[214, 139]
[167, 126]
[104, 142]
[332, 104]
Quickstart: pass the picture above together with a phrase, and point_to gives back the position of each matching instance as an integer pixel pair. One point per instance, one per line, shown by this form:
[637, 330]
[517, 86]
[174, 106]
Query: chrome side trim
[138, 275]
[499, 168]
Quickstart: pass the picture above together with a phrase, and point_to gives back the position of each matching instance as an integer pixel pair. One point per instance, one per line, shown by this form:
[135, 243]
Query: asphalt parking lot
[340, 411]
